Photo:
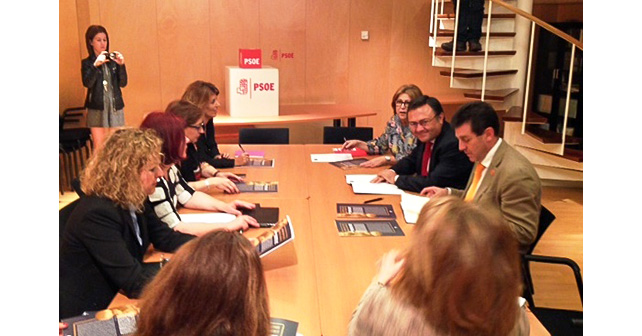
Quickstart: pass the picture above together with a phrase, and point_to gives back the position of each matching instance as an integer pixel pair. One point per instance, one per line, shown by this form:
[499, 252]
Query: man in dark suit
[503, 178]
[436, 161]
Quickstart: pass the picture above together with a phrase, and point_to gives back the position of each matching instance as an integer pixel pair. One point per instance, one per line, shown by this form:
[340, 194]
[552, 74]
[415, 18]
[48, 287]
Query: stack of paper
[361, 185]
[330, 157]
[411, 206]
[212, 217]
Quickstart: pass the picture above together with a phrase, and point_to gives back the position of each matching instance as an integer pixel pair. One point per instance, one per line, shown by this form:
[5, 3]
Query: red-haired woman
[172, 189]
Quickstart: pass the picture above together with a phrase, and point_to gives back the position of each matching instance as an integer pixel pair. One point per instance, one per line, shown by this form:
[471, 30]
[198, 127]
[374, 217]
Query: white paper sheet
[375, 188]
[359, 178]
[411, 206]
[213, 217]
[330, 157]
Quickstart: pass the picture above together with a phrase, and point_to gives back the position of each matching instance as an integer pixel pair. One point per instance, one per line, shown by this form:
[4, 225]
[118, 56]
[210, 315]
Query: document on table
[361, 185]
[330, 157]
[411, 206]
[213, 217]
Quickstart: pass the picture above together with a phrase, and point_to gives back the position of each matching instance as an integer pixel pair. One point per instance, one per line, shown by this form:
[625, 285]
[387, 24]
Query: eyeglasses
[198, 127]
[401, 103]
[422, 122]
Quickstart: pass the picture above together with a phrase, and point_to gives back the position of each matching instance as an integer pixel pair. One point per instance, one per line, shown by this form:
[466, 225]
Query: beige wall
[167, 44]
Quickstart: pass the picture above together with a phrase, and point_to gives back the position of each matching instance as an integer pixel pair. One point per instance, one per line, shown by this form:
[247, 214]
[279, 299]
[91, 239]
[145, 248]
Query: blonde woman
[103, 242]
[459, 276]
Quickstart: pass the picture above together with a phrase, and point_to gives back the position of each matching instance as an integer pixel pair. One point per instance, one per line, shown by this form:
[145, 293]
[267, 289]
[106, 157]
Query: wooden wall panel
[70, 51]
[327, 51]
[133, 31]
[282, 34]
[369, 60]
[233, 25]
[168, 44]
[183, 45]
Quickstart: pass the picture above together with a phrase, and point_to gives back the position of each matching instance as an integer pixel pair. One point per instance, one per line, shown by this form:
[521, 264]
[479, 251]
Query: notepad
[357, 210]
[267, 217]
[253, 186]
[349, 164]
[258, 162]
[363, 228]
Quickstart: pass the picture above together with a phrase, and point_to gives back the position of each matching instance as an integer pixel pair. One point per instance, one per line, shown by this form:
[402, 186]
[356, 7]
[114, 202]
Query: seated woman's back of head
[462, 270]
[214, 285]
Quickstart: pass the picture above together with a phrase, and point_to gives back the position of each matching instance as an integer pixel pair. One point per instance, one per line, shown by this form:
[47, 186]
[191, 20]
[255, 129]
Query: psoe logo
[243, 87]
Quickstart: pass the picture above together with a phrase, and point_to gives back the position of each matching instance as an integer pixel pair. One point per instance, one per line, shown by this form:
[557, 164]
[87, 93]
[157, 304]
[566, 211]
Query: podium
[252, 92]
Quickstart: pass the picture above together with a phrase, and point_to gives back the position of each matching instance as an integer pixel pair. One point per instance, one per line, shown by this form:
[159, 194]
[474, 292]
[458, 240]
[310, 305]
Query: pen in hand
[242, 149]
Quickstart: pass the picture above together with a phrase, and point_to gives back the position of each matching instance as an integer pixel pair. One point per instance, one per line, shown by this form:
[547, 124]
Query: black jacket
[448, 166]
[92, 79]
[100, 254]
[208, 149]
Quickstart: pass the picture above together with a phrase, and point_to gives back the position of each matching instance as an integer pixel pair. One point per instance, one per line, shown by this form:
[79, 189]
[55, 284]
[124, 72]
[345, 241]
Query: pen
[242, 148]
[373, 200]
[344, 139]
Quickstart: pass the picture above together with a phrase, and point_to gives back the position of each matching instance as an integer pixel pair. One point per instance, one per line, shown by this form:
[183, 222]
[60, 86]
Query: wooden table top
[322, 286]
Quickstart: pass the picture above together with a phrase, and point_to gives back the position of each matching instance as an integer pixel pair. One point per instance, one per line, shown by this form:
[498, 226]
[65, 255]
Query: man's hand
[434, 192]
[376, 162]
[387, 175]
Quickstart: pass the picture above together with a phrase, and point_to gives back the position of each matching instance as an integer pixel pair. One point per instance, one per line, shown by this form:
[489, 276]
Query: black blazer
[100, 254]
[92, 79]
[208, 148]
[448, 166]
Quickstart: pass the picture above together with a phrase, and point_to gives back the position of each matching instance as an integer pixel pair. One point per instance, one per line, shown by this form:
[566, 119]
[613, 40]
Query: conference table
[317, 279]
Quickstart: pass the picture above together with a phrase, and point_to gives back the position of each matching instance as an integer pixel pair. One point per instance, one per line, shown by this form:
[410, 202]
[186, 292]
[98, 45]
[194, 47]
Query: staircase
[499, 75]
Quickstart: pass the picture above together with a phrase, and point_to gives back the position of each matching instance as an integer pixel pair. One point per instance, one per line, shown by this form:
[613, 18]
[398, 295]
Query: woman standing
[103, 74]
[397, 137]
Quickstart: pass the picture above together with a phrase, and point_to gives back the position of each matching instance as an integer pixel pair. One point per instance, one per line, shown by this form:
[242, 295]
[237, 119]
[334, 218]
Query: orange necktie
[473, 186]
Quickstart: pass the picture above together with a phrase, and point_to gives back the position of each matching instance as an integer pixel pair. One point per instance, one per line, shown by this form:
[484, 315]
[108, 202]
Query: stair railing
[534, 22]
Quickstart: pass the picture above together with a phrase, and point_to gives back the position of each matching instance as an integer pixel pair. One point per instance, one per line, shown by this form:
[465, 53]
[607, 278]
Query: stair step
[467, 73]
[515, 113]
[546, 136]
[451, 33]
[573, 154]
[442, 52]
[494, 16]
[490, 94]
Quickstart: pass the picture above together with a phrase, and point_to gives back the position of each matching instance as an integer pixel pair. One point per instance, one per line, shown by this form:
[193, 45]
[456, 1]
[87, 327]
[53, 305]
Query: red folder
[356, 152]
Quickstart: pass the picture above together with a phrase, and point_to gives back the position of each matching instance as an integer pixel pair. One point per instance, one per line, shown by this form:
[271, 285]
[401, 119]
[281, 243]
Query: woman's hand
[224, 184]
[230, 176]
[61, 326]
[226, 156]
[389, 266]
[355, 143]
[238, 204]
[120, 59]
[101, 59]
[242, 222]
[376, 162]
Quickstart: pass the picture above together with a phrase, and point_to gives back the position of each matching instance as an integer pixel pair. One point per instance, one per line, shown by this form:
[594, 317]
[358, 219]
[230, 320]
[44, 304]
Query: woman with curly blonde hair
[108, 232]
[459, 276]
[214, 285]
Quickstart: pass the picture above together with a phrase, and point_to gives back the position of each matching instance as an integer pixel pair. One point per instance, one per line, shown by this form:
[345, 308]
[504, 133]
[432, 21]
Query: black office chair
[74, 138]
[338, 135]
[264, 136]
[556, 321]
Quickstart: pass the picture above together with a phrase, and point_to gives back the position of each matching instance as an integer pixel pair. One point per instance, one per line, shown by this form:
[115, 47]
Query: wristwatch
[387, 158]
